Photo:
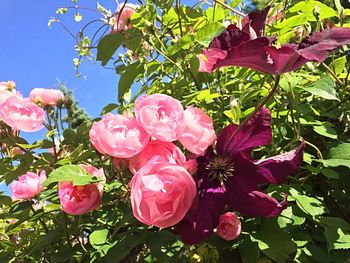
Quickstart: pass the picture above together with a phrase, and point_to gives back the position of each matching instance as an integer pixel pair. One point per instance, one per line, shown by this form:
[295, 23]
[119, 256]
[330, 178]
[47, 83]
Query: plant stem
[230, 8]
[333, 74]
[267, 98]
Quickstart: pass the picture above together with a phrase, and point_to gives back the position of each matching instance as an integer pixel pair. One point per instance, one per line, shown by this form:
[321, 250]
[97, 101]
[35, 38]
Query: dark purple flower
[228, 176]
[248, 47]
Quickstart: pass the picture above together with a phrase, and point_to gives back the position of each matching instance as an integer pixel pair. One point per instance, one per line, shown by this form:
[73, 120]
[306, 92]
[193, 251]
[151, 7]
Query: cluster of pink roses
[75, 200]
[23, 113]
[162, 188]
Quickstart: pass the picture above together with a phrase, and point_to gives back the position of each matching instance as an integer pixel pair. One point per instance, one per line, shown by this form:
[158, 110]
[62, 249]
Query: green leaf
[338, 65]
[308, 205]
[107, 46]
[108, 108]
[128, 78]
[235, 3]
[337, 232]
[308, 7]
[206, 34]
[272, 241]
[71, 173]
[330, 173]
[326, 130]
[324, 88]
[46, 240]
[122, 247]
[288, 218]
[98, 237]
[183, 43]
[5, 200]
[335, 162]
[341, 151]
[291, 22]
[249, 250]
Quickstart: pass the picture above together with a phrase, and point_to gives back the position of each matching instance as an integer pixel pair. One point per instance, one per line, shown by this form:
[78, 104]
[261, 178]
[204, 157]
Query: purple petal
[285, 58]
[250, 54]
[256, 132]
[256, 20]
[318, 45]
[277, 168]
[247, 198]
[232, 37]
[203, 216]
[209, 58]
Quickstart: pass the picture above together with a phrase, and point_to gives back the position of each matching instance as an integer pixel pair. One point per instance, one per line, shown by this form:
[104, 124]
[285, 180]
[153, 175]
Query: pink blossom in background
[198, 132]
[191, 166]
[160, 115]
[229, 227]
[161, 193]
[165, 151]
[7, 85]
[46, 96]
[28, 185]
[123, 15]
[118, 136]
[77, 200]
[22, 114]
[209, 58]
[7, 89]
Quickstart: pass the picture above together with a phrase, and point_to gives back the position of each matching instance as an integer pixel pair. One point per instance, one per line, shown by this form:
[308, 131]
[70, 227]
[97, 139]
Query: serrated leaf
[324, 88]
[98, 237]
[337, 232]
[71, 173]
[273, 242]
[307, 204]
[341, 151]
[338, 65]
[208, 32]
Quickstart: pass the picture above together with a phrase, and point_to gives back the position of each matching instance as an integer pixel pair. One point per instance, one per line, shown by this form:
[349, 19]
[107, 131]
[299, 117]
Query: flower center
[220, 168]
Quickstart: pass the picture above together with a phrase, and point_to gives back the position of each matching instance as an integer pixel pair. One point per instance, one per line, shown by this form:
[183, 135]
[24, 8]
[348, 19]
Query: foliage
[159, 55]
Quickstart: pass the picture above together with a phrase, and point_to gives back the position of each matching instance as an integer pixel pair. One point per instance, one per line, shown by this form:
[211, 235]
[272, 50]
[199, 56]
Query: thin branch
[230, 8]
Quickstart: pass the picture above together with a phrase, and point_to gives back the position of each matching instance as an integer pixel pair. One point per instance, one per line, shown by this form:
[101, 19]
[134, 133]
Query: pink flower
[160, 115]
[7, 89]
[161, 193]
[209, 58]
[229, 227]
[77, 200]
[123, 15]
[22, 114]
[118, 135]
[191, 166]
[165, 151]
[46, 96]
[198, 132]
[28, 185]
[8, 85]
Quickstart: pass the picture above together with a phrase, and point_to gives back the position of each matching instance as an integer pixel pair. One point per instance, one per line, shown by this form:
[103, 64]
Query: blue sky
[34, 55]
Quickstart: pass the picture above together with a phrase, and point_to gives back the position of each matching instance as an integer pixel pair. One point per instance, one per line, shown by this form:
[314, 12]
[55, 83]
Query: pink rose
[118, 135]
[123, 15]
[22, 114]
[160, 115]
[229, 226]
[198, 132]
[77, 200]
[46, 96]
[165, 151]
[161, 193]
[28, 185]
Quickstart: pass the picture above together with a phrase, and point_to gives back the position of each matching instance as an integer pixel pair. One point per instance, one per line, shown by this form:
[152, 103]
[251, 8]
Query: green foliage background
[158, 55]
